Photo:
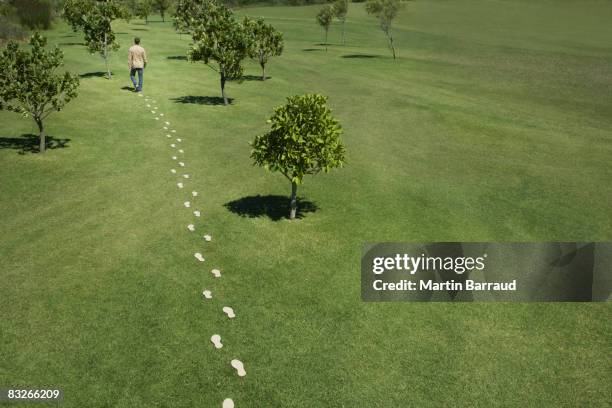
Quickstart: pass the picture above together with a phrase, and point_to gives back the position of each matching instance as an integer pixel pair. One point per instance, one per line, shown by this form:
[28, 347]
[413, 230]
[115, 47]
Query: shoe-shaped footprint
[173, 171]
[187, 204]
[191, 227]
[199, 256]
[228, 403]
[237, 364]
[207, 294]
[196, 213]
[179, 185]
[229, 312]
[194, 193]
[216, 273]
[181, 164]
[216, 340]
[207, 238]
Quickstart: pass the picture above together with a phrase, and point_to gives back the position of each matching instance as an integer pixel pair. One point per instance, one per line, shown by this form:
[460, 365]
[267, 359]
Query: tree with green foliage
[144, 8]
[324, 18]
[340, 12]
[266, 42]
[304, 139]
[94, 18]
[29, 84]
[162, 6]
[219, 40]
[385, 11]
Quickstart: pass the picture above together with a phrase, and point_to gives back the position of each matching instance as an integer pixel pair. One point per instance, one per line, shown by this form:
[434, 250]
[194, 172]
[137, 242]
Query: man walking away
[137, 61]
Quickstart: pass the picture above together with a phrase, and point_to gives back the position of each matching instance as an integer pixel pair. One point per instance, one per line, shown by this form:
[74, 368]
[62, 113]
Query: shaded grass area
[492, 125]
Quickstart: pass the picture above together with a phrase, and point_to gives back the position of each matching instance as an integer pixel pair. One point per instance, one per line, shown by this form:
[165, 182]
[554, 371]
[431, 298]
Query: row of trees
[222, 42]
[384, 10]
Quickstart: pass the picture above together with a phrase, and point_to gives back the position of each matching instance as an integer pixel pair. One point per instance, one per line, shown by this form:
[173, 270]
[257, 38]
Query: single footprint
[196, 213]
[194, 193]
[168, 136]
[216, 340]
[167, 123]
[199, 256]
[181, 151]
[191, 228]
[207, 238]
[187, 204]
[174, 157]
[161, 114]
[228, 403]
[173, 131]
[216, 273]
[173, 171]
[186, 176]
[153, 111]
[165, 127]
[181, 164]
[179, 185]
[179, 140]
[237, 364]
[207, 294]
[156, 118]
[148, 106]
[229, 312]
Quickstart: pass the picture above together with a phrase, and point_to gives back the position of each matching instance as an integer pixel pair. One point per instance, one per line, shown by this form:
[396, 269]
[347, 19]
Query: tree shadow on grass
[29, 143]
[177, 57]
[70, 43]
[313, 49]
[360, 56]
[140, 29]
[253, 78]
[202, 100]
[275, 207]
[97, 74]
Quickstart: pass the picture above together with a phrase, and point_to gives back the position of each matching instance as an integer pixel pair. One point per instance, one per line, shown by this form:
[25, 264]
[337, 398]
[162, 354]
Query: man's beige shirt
[137, 57]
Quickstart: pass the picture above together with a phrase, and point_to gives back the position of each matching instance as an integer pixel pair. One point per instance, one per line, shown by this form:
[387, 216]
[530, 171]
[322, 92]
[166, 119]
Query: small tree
[340, 12]
[218, 40]
[324, 18]
[29, 85]
[266, 42]
[385, 11]
[94, 18]
[162, 6]
[304, 139]
[144, 9]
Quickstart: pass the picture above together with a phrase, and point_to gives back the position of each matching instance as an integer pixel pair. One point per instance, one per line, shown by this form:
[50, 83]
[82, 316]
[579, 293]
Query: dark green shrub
[34, 14]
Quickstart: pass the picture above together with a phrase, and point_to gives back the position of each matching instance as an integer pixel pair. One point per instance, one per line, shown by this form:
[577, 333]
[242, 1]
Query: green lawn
[494, 124]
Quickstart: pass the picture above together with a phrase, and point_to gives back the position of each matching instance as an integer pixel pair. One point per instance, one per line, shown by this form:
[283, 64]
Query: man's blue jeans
[133, 72]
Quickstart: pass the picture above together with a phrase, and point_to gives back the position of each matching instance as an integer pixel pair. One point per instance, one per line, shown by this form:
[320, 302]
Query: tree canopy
[219, 40]
[29, 84]
[265, 40]
[94, 18]
[304, 139]
[385, 11]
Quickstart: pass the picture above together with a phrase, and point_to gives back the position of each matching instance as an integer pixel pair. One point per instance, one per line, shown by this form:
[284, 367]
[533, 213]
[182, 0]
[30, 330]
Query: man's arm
[130, 59]
[144, 57]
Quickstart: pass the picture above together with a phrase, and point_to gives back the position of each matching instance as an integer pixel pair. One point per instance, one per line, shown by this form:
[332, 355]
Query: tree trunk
[108, 73]
[293, 200]
[326, 32]
[41, 135]
[263, 71]
[391, 45]
[343, 43]
[223, 88]
[163, 18]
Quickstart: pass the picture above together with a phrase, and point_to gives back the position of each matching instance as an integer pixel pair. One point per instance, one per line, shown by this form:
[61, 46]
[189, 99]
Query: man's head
[137, 41]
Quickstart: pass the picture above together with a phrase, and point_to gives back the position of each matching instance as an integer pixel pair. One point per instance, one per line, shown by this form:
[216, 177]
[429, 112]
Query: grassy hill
[493, 124]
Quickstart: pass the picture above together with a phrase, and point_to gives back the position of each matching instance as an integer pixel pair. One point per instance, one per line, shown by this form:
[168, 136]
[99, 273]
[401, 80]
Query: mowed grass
[493, 124]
